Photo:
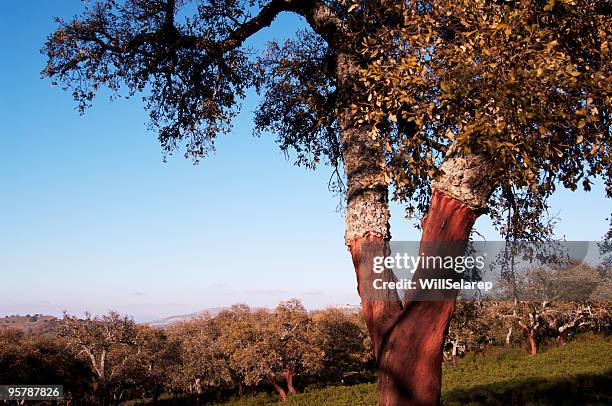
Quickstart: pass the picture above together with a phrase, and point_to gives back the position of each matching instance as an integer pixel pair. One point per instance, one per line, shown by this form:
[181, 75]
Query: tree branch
[320, 17]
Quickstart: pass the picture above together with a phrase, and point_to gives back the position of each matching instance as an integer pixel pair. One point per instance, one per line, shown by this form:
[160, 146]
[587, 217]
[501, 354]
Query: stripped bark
[289, 379]
[408, 336]
[280, 390]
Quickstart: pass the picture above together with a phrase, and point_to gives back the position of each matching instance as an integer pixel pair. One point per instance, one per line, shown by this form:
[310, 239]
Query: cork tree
[106, 344]
[453, 104]
[484, 107]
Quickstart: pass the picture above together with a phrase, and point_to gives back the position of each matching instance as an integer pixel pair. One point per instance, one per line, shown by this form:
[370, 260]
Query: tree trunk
[410, 361]
[508, 336]
[289, 379]
[280, 390]
[408, 336]
[561, 339]
[532, 343]
[367, 206]
[104, 398]
[454, 352]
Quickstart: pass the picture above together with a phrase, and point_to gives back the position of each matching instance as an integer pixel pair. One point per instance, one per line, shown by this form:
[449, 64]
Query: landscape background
[134, 278]
[92, 217]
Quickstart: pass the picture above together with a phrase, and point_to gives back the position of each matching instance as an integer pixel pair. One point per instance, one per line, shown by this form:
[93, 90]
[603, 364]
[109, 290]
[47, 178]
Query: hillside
[35, 323]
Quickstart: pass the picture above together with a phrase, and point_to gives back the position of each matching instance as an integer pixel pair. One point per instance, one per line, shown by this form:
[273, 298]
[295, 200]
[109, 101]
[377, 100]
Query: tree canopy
[190, 61]
[526, 83]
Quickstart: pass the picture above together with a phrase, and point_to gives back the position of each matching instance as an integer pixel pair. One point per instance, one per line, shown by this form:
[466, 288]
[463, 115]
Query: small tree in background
[341, 338]
[468, 330]
[200, 363]
[252, 346]
[296, 341]
[157, 357]
[106, 343]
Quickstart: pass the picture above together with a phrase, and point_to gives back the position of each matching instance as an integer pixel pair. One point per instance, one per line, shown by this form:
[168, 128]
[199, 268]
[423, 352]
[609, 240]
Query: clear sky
[92, 218]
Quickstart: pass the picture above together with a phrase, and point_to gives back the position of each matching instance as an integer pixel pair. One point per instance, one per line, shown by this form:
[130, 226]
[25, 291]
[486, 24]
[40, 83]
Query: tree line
[110, 359]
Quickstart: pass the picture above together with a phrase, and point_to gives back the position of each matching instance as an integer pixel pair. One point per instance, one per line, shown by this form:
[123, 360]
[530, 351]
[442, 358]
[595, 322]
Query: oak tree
[460, 104]
[106, 343]
[483, 107]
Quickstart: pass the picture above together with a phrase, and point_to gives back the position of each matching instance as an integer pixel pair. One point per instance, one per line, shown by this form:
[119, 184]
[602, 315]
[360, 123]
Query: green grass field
[579, 373]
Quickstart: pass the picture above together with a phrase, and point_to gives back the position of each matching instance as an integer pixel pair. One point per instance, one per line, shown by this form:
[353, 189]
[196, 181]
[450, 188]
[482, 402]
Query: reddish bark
[530, 333]
[289, 379]
[532, 343]
[448, 219]
[280, 390]
[408, 337]
[380, 309]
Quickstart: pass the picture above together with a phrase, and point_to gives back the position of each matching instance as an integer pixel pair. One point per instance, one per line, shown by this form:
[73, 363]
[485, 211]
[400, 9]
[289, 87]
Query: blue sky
[92, 218]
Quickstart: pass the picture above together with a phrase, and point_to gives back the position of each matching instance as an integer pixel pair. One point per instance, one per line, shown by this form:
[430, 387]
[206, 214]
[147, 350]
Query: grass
[577, 373]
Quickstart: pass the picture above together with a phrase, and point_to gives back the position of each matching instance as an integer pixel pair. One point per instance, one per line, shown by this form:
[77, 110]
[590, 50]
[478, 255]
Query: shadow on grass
[580, 389]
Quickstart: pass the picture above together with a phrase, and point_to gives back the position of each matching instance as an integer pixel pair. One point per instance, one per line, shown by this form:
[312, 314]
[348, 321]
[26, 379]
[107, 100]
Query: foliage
[199, 365]
[526, 83]
[479, 325]
[42, 359]
[105, 343]
[469, 329]
[244, 352]
[193, 76]
[344, 342]
[193, 68]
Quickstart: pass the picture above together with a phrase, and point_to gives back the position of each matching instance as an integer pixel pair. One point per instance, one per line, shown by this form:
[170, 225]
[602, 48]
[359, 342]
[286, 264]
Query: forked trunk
[289, 379]
[408, 336]
[410, 363]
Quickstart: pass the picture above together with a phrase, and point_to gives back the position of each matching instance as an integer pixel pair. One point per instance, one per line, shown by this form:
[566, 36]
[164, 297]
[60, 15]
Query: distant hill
[347, 308]
[34, 323]
[39, 323]
[168, 321]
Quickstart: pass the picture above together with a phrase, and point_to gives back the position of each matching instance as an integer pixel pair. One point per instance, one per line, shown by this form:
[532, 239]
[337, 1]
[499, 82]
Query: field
[577, 373]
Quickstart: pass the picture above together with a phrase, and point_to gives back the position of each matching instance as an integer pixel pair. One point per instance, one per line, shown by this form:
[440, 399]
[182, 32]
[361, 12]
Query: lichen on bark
[467, 177]
[367, 210]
